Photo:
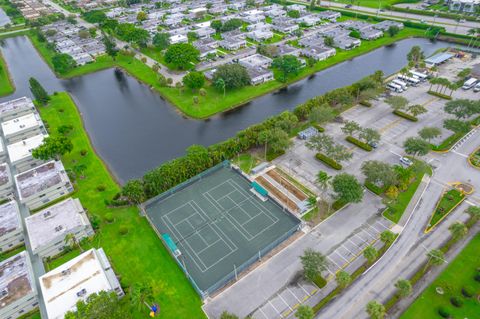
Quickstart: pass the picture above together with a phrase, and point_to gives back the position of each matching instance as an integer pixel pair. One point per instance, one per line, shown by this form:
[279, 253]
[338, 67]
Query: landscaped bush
[359, 143]
[109, 218]
[327, 160]
[468, 291]
[440, 95]
[444, 312]
[405, 115]
[338, 204]
[477, 277]
[456, 301]
[365, 103]
[318, 127]
[123, 230]
[320, 281]
[83, 152]
[374, 188]
[101, 188]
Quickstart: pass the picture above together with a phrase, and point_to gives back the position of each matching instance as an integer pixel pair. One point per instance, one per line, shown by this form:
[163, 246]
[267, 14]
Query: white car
[405, 161]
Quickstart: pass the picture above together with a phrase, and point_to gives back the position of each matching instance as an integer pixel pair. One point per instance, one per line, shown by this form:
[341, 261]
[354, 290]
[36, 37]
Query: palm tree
[323, 180]
[471, 33]
[140, 294]
[71, 240]
[435, 258]
[458, 230]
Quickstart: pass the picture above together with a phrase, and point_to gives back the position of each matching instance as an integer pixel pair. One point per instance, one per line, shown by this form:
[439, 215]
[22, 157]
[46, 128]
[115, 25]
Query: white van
[401, 83]
[470, 83]
[422, 76]
[409, 80]
[394, 87]
[476, 88]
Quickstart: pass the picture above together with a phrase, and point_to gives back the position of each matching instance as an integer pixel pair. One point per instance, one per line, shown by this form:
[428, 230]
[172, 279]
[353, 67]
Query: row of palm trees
[442, 85]
[475, 34]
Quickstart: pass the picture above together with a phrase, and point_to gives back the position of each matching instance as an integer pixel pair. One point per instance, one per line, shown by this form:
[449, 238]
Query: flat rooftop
[48, 224]
[73, 281]
[23, 149]
[4, 174]
[40, 178]
[17, 104]
[22, 123]
[15, 279]
[9, 218]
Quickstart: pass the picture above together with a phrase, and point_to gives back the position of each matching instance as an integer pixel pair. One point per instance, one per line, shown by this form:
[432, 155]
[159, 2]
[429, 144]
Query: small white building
[11, 230]
[259, 75]
[255, 60]
[233, 43]
[22, 127]
[178, 38]
[20, 153]
[75, 280]
[260, 35]
[43, 184]
[15, 108]
[18, 294]
[318, 53]
[6, 183]
[48, 228]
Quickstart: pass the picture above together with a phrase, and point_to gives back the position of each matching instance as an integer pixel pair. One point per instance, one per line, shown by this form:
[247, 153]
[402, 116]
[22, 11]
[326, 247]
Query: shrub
[94, 222]
[123, 230]
[318, 127]
[457, 302]
[440, 95]
[444, 312]
[109, 218]
[83, 152]
[101, 188]
[477, 277]
[365, 103]
[328, 161]
[61, 110]
[338, 204]
[405, 115]
[374, 188]
[359, 143]
[468, 291]
[320, 281]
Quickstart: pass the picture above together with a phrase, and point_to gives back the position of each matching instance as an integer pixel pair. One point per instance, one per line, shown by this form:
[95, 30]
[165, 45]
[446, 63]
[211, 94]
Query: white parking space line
[271, 304]
[294, 295]
[460, 154]
[354, 243]
[363, 240]
[341, 256]
[382, 225]
[263, 313]
[343, 245]
[280, 296]
[365, 230]
[299, 285]
[333, 261]
[376, 229]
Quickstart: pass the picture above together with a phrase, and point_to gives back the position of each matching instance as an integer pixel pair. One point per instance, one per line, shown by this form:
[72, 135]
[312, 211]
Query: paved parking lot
[344, 256]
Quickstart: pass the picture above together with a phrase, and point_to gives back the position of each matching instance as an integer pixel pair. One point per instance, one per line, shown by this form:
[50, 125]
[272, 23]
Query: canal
[134, 129]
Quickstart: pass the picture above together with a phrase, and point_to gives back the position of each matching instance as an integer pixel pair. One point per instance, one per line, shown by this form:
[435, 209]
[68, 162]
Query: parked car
[406, 161]
[373, 144]
[348, 6]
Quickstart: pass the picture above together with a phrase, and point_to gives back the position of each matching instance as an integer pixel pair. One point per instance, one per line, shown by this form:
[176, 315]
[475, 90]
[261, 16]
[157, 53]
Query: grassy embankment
[459, 274]
[138, 256]
[6, 85]
[214, 101]
[376, 3]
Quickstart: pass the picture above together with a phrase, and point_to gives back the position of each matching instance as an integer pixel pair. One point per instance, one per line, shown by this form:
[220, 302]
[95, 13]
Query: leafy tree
[324, 144]
[393, 30]
[375, 310]
[313, 264]
[220, 85]
[351, 127]
[161, 41]
[379, 173]
[234, 75]
[232, 24]
[63, 63]
[72, 19]
[142, 16]
[83, 34]
[458, 230]
[294, 14]
[329, 41]
[321, 114]
[104, 305]
[417, 109]
[181, 55]
[435, 257]
[133, 190]
[94, 16]
[192, 36]
[38, 91]
[312, 4]
[416, 146]
[404, 288]
[304, 312]
[397, 102]
[474, 212]
[227, 315]
[415, 55]
[457, 126]
[343, 278]
[288, 65]
[370, 135]
[267, 50]
[370, 254]
[348, 188]
[140, 294]
[428, 133]
[216, 25]
[194, 80]
[462, 108]
[110, 47]
[53, 147]
[275, 139]
[387, 237]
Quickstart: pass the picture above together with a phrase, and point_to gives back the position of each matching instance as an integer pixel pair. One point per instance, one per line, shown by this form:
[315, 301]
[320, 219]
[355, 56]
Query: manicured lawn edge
[137, 257]
[458, 198]
[448, 142]
[364, 146]
[328, 161]
[405, 115]
[472, 162]
[440, 95]
[6, 84]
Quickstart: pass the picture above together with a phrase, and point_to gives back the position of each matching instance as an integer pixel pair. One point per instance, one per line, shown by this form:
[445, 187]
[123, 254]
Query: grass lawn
[6, 84]
[8, 254]
[475, 158]
[245, 161]
[445, 205]
[458, 274]
[375, 3]
[395, 211]
[447, 143]
[138, 256]
[214, 101]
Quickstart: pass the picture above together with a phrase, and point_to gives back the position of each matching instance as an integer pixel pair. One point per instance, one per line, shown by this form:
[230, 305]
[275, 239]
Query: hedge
[430, 13]
[440, 95]
[327, 160]
[359, 143]
[365, 103]
[338, 204]
[405, 115]
[318, 127]
[374, 188]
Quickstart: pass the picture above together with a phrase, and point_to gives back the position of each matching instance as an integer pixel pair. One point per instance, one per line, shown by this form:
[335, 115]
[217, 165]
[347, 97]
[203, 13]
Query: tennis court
[218, 225]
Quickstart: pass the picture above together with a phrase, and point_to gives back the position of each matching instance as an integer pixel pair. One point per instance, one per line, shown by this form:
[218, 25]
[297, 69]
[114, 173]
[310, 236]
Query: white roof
[15, 279]
[23, 149]
[73, 281]
[17, 104]
[25, 122]
[54, 222]
[9, 218]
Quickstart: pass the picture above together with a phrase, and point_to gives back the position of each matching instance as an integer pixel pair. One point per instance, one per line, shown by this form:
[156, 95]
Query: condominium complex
[11, 230]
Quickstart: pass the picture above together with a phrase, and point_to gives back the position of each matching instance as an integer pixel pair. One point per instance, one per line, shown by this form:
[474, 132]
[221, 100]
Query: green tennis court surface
[219, 226]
